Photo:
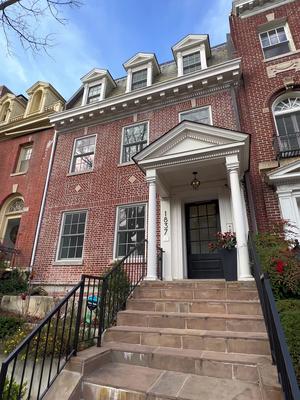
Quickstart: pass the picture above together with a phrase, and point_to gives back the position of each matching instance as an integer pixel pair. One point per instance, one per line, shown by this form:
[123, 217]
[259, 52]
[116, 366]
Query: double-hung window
[94, 94]
[24, 157]
[201, 115]
[135, 138]
[83, 154]
[275, 42]
[130, 228]
[191, 62]
[139, 79]
[72, 235]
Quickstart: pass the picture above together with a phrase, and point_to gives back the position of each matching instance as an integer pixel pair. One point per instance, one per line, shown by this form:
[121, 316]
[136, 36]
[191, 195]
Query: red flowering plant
[224, 240]
[280, 260]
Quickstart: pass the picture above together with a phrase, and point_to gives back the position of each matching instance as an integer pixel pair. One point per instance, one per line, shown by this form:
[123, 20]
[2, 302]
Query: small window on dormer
[5, 112]
[139, 79]
[36, 101]
[191, 62]
[94, 94]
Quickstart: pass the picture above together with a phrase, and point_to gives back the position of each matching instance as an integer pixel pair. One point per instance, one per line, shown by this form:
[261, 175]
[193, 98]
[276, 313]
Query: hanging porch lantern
[195, 182]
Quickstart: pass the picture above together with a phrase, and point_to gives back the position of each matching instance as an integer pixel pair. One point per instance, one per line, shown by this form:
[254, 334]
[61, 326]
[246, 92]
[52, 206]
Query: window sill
[18, 173]
[68, 262]
[79, 173]
[281, 56]
[126, 164]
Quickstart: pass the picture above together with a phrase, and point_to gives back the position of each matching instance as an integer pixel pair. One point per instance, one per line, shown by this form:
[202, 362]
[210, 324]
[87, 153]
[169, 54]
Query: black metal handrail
[287, 145]
[79, 318]
[160, 254]
[279, 350]
[8, 255]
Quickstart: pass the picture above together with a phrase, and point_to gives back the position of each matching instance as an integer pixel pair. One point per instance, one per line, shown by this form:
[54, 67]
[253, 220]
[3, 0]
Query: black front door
[202, 224]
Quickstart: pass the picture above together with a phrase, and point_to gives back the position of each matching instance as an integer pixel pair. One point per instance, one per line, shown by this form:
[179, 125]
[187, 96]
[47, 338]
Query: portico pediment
[284, 174]
[189, 139]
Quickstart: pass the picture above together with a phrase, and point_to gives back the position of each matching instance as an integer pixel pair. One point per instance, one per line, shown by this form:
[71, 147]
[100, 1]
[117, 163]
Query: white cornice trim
[220, 69]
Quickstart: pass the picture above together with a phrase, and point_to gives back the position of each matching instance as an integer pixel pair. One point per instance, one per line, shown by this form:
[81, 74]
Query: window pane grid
[25, 155]
[72, 237]
[135, 138]
[83, 159]
[94, 94]
[274, 42]
[130, 228]
[191, 62]
[139, 79]
[201, 115]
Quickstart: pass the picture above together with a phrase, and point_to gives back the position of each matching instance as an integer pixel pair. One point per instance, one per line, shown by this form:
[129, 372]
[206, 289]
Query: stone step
[118, 381]
[246, 307]
[205, 363]
[225, 342]
[202, 321]
[174, 293]
[200, 284]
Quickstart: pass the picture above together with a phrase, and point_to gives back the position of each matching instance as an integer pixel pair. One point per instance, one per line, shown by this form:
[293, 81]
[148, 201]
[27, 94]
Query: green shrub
[16, 283]
[9, 325]
[14, 390]
[289, 311]
[280, 262]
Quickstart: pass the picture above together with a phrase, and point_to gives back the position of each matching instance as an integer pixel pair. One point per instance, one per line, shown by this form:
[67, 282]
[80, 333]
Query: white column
[103, 88]
[152, 252]
[179, 64]
[203, 57]
[129, 80]
[232, 165]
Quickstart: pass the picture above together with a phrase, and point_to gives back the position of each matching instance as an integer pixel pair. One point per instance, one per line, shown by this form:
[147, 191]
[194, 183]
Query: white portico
[220, 158]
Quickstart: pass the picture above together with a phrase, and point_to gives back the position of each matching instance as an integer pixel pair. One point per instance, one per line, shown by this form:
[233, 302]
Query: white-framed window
[94, 93]
[24, 158]
[139, 79]
[134, 139]
[72, 233]
[276, 41]
[191, 62]
[202, 115]
[83, 154]
[130, 228]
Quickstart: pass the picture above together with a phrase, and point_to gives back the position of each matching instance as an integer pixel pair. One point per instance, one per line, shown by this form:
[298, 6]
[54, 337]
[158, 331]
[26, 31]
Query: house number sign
[166, 226]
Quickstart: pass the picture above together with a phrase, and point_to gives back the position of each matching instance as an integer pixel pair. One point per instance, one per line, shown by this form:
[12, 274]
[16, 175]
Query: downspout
[38, 228]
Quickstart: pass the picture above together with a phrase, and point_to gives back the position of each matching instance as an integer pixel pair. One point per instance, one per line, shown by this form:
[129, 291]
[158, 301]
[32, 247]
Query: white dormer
[97, 83]
[11, 106]
[141, 69]
[191, 53]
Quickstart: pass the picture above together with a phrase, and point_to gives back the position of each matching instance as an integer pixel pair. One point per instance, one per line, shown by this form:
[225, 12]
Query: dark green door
[202, 224]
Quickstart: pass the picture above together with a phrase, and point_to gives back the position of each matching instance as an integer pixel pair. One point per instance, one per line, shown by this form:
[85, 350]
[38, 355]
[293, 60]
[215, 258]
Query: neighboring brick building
[122, 142]
[26, 138]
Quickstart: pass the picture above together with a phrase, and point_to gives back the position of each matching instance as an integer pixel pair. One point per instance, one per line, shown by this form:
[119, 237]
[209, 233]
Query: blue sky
[106, 33]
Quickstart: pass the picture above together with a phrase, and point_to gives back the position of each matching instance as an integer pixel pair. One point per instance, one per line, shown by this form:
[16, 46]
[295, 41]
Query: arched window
[5, 111]
[10, 218]
[36, 101]
[286, 110]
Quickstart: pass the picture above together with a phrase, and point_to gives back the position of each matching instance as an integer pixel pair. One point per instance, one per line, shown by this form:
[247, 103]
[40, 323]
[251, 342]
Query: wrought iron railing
[279, 350]
[287, 145]
[79, 319]
[8, 256]
[160, 260]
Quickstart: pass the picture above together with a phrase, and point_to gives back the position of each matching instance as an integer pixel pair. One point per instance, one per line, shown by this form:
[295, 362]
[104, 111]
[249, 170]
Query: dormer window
[96, 84]
[36, 101]
[191, 62]
[139, 79]
[191, 54]
[94, 93]
[5, 112]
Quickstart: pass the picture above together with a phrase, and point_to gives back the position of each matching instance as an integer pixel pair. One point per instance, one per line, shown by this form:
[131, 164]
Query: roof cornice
[229, 71]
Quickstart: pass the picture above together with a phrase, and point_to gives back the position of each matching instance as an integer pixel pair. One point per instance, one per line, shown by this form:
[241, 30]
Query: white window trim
[88, 86]
[148, 66]
[122, 139]
[288, 34]
[196, 109]
[71, 261]
[22, 149]
[280, 98]
[116, 224]
[73, 153]
[192, 50]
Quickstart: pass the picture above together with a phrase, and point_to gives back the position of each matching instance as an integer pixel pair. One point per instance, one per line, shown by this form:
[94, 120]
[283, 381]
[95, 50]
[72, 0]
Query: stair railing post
[101, 326]
[78, 318]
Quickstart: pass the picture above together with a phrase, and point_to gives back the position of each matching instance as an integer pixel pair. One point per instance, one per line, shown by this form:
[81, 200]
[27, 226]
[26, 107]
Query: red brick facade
[29, 185]
[107, 186]
[256, 97]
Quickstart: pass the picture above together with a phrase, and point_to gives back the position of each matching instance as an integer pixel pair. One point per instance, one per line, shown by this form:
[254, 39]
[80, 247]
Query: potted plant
[225, 245]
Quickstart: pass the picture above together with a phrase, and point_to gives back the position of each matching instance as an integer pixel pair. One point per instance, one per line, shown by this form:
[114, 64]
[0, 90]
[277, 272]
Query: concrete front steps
[188, 340]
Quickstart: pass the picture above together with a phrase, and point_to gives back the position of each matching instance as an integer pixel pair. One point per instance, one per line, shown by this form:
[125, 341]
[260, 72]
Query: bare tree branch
[23, 18]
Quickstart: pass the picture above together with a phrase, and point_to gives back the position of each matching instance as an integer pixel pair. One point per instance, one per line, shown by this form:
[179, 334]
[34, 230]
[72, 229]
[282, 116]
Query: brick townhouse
[176, 152]
[26, 138]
